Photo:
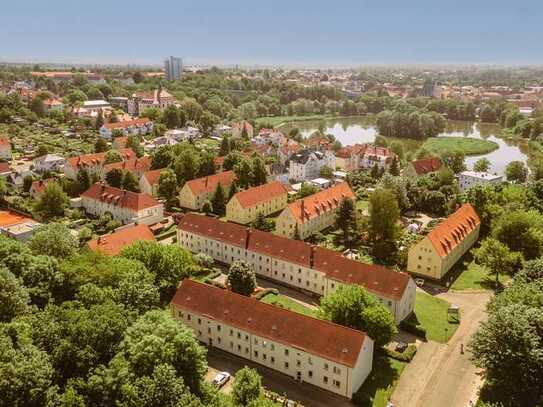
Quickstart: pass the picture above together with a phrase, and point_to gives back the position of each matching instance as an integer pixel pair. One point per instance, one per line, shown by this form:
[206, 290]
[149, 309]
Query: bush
[414, 329]
[211, 276]
[406, 356]
[265, 292]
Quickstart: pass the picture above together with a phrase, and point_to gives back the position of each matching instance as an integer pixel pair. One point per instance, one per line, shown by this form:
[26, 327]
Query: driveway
[440, 375]
[210, 375]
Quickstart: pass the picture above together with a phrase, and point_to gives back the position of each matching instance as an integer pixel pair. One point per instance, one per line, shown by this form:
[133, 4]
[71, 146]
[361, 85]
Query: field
[287, 303]
[431, 313]
[469, 146]
[476, 277]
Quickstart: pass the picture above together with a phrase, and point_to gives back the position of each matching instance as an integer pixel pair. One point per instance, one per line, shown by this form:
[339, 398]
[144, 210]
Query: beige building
[93, 163]
[439, 250]
[294, 263]
[124, 206]
[195, 192]
[5, 149]
[309, 350]
[417, 168]
[245, 206]
[313, 213]
[149, 182]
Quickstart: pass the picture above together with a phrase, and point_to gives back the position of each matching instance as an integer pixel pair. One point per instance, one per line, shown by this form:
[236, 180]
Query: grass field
[431, 313]
[378, 387]
[287, 303]
[275, 121]
[470, 146]
[476, 277]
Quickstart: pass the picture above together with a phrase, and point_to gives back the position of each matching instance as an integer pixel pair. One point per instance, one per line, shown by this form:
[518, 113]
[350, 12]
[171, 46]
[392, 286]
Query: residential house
[469, 179]
[53, 105]
[306, 164]
[124, 206]
[49, 163]
[112, 244]
[245, 206]
[313, 213]
[195, 192]
[5, 149]
[238, 129]
[93, 163]
[137, 166]
[17, 226]
[294, 263]
[131, 127]
[363, 156]
[149, 181]
[38, 187]
[443, 246]
[422, 167]
[159, 98]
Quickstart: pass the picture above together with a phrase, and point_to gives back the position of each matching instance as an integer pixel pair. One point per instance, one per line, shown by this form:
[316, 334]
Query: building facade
[195, 192]
[93, 163]
[363, 156]
[173, 67]
[469, 179]
[136, 127]
[326, 355]
[306, 164]
[149, 182]
[159, 99]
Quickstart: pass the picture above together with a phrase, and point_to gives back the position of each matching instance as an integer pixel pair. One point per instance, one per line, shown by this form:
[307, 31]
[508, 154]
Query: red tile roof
[321, 338]
[226, 232]
[39, 186]
[452, 231]
[121, 198]
[261, 193]
[323, 201]
[4, 167]
[426, 165]
[295, 251]
[4, 142]
[113, 243]
[91, 160]
[153, 175]
[208, 184]
[142, 164]
[129, 123]
[8, 218]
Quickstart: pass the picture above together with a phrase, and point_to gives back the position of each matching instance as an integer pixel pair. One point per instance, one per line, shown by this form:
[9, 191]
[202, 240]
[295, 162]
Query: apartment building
[358, 156]
[124, 206]
[313, 213]
[93, 163]
[469, 179]
[195, 192]
[245, 206]
[49, 162]
[443, 246]
[137, 166]
[293, 262]
[149, 181]
[112, 244]
[134, 127]
[321, 353]
[307, 164]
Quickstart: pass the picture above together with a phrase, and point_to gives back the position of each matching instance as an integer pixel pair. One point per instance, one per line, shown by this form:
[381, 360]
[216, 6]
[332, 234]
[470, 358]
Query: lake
[362, 130]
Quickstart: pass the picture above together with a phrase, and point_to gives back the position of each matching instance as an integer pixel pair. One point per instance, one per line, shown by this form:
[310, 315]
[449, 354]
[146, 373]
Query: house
[118, 143]
[149, 181]
[363, 156]
[318, 142]
[53, 105]
[93, 163]
[245, 206]
[313, 213]
[5, 149]
[136, 166]
[306, 164]
[468, 179]
[294, 263]
[5, 169]
[17, 226]
[113, 243]
[242, 127]
[49, 163]
[324, 354]
[443, 246]
[38, 187]
[124, 206]
[287, 149]
[195, 192]
[423, 166]
[159, 98]
[130, 127]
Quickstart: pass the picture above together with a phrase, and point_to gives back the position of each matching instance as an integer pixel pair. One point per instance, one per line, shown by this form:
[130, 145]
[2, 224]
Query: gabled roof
[39, 186]
[452, 231]
[426, 165]
[209, 183]
[295, 251]
[118, 197]
[226, 232]
[133, 165]
[113, 243]
[129, 123]
[4, 142]
[91, 160]
[153, 175]
[262, 193]
[318, 337]
[8, 218]
[323, 201]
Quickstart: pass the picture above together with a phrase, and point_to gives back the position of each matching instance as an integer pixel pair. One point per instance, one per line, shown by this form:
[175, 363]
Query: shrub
[413, 328]
[406, 356]
[265, 292]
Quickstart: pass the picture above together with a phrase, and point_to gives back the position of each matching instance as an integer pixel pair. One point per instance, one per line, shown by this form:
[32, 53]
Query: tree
[354, 307]
[162, 158]
[445, 176]
[138, 77]
[247, 387]
[241, 278]
[516, 171]
[115, 177]
[133, 142]
[533, 270]
[384, 215]
[53, 239]
[307, 189]
[14, 298]
[481, 165]
[397, 148]
[42, 150]
[207, 208]
[101, 145]
[83, 180]
[130, 182]
[375, 171]
[112, 156]
[244, 173]
[232, 191]
[346, 221]
[186, 166]
[231, 160]
[394, 168]
[218, 200]
[497, 257]
[207, 164]
[454, 160]
[260, 174]
[3, 188]
[225, 146]
[167, 184]
[52, 201]
[326, 172]
[99, 122]
[521, 231]
[170, 116]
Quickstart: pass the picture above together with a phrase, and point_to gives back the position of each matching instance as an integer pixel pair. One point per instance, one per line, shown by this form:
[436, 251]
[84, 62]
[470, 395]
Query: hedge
[406, 356]
[414, 329]
[266, 291]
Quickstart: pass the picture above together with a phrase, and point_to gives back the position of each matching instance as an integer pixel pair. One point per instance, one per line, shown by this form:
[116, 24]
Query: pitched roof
[226, 232]
[4, 142]
[8, 218]
[39, 186]
[118, 197]
[292, 250]
[209, 183]
[94, 159]
[261, 193]
[374, 278]
[113, 243]
[321, 338]
[426, 165]
[4, 167]
[133, 165]
[129, 123]
[323, 201]
[452, 231]
[153, 175]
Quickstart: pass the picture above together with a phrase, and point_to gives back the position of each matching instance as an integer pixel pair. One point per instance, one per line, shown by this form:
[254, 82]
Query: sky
[273, 32]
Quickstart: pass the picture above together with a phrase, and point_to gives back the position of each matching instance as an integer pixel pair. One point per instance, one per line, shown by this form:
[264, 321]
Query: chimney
[102, 187]
[99, 239]
[247, 237]
[312, 256]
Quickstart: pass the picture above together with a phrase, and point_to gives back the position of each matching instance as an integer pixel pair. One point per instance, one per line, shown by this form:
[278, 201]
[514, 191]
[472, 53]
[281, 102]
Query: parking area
[210, 375]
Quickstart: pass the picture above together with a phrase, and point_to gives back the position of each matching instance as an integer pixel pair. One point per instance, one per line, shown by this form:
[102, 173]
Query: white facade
[49, 162]
[310, 169]
[468, 179]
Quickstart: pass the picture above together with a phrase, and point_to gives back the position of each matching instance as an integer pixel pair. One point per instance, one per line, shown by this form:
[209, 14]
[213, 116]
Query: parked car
[400, 347]
[221, 379]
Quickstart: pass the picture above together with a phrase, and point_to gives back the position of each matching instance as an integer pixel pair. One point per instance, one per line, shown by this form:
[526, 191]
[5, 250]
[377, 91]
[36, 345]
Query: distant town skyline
[347, 33]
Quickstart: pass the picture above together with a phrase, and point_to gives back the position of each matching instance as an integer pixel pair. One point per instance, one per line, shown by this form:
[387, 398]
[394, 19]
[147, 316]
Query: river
[362, 130]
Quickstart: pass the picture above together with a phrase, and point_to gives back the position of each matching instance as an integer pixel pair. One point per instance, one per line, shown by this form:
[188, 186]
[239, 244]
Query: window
[264, 356]
[326, 366]
[337, 370]
[239, 335]
[219, 328]
[189, 317]
[199, 321]
[286, 365]
[298, 363]
[272, 346]
[272, 359]
[256, 353]
[286, 352]
[231, 332]
[325, 379]
[337, 383]
[310, 373]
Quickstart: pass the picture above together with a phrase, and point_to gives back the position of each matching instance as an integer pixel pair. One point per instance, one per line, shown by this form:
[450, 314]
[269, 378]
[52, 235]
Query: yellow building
[313, 213]
[194, 193]
[266, 199]
[440, 249]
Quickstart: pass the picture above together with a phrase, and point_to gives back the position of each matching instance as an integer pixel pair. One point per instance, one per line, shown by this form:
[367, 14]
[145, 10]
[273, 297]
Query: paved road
[440, 375]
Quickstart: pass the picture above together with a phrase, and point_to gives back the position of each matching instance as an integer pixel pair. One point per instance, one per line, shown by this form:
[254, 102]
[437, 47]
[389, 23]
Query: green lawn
[470, 146]
[285, 302]
[476, 277]
[378, 387]
[431, 313]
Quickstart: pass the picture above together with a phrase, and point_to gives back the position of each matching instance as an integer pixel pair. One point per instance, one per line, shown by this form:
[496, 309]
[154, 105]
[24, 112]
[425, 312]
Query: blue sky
[341, 32]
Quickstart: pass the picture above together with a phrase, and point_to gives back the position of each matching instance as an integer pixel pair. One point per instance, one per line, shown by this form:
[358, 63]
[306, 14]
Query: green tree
[231, 160]
[445, 176]
[101, 145]
[516, 171]
[307, 189]
[52, 201]
[225, 146]
[42, 150]
[130, 182]
[14, 298]
[218, 201]
[326, 172]
[244, 173]
[247, 387]
[455, 160]
[99, 122]
[207, 164]
[394, 168]
[186, 166]
[481, 165]
[162, 158]
[167, 184]
[133, 142]
[346, 221]
[354, 307]
[115, 177]
[241, 278]
[207, 208]
[384, 215]
[53, 239]
[112, 156]
[521, 231]
[170, 116]
[232, 191]
[497, 258]
[260, 174]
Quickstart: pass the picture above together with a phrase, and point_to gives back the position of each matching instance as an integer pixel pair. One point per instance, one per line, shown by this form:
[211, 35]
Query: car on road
[221, 379]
